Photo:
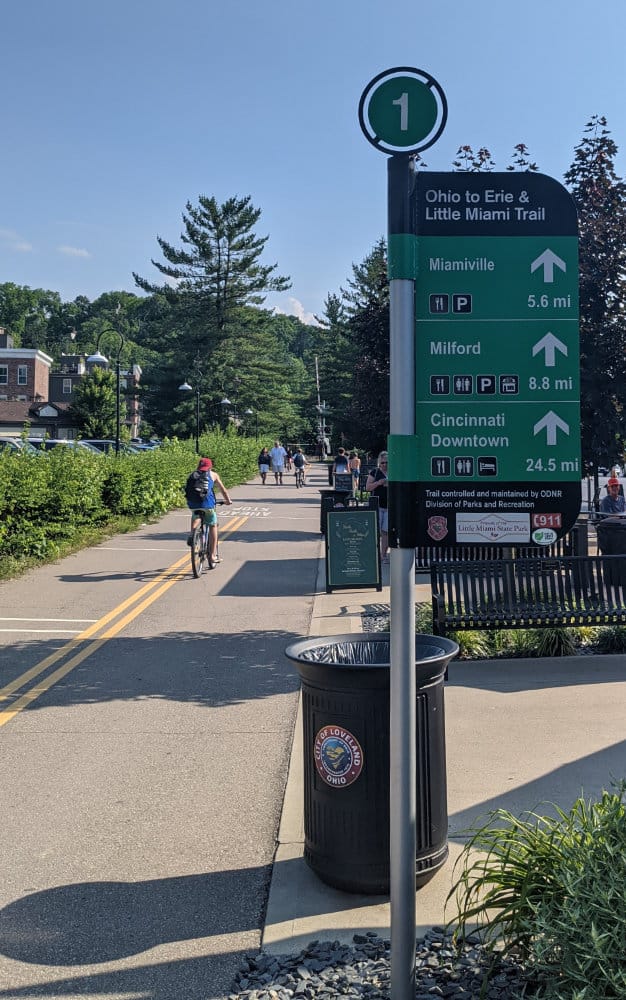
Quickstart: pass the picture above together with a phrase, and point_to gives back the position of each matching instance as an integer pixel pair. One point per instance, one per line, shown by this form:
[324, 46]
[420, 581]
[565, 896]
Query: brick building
[37, 391]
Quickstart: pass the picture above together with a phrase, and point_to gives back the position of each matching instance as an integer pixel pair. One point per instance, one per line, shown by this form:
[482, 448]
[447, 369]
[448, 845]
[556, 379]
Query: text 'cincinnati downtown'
[468, 440]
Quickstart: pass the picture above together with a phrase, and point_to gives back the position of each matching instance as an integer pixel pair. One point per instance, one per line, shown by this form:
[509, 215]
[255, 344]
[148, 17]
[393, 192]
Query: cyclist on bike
[200, 493]
[299, 463]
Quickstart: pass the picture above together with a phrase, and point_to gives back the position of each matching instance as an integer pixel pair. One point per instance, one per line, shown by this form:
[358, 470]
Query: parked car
[47, 444]
[16, 445]
[143, 445]
[107, 444]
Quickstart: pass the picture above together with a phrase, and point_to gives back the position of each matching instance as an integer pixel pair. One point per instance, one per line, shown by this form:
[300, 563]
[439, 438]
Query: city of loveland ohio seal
[338, 756]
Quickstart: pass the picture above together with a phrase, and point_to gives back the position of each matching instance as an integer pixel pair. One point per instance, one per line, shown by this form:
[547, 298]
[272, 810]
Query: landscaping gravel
[328, 969]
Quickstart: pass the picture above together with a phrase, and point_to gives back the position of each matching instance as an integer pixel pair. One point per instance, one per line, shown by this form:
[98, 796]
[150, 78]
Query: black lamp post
[99, 359]
[253, 413]
[185, 387]
[226, 404]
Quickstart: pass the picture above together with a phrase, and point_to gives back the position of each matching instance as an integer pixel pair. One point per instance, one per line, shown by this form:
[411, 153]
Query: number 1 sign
[402, 110]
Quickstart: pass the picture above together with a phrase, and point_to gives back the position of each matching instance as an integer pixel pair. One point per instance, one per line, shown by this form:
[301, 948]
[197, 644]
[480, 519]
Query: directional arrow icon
[550, 344]
[550, 422]
[548, 261]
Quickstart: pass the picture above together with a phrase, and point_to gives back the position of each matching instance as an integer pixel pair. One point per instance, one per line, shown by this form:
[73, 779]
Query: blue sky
[115, 114]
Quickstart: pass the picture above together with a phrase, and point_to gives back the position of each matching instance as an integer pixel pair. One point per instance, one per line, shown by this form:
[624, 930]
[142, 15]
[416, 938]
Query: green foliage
[554, 642]
[600, 197]
[51, 498]
[366, 308]
[611, 639]
[424, 618]
[473, 162]
[94, 407]
[472, 645]
[552, 889]
[218, 268]
[513, 642]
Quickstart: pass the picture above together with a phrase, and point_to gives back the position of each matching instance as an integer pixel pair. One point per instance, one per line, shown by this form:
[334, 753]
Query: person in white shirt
[278, 456]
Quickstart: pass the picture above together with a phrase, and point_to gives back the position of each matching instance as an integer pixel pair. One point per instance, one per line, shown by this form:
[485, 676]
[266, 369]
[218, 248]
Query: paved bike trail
[146, 723]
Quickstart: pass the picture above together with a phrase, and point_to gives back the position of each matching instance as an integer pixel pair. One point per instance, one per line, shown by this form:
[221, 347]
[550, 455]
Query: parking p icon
[461, 303]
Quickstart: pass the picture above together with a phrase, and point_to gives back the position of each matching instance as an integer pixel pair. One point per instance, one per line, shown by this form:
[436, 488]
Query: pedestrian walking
[264, 462]
[277, 456]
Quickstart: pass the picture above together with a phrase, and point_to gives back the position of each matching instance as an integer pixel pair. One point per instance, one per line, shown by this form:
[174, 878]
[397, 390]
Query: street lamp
[100, 359]
[226, 404]
[185, 387]
[253, 413]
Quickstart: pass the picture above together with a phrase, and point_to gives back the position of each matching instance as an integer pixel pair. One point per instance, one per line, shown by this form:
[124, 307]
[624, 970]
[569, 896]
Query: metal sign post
[401, 112]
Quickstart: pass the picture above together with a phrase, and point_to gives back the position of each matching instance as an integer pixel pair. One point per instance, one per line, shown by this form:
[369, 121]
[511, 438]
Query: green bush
[553, 890]
[554, 642]
[611, 639]
[52, 497]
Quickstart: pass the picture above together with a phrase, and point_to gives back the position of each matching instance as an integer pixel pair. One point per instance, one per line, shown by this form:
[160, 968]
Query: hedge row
[52, 497]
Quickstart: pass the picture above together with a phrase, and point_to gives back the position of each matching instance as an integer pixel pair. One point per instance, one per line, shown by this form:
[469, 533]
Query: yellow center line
[158, 586]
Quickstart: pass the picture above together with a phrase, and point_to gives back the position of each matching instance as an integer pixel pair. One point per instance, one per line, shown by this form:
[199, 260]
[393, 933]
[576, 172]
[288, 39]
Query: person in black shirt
[376, 484]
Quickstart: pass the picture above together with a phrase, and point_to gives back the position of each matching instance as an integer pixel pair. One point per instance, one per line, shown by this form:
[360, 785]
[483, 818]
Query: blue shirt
[613, 505]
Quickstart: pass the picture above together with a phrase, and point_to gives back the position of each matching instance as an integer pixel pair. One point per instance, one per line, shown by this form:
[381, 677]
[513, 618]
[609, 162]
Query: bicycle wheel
[197, 552]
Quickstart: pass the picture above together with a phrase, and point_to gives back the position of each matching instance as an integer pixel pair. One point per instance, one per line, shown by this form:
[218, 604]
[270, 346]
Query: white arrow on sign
[550, 344]
[548, 261]
[550, 422]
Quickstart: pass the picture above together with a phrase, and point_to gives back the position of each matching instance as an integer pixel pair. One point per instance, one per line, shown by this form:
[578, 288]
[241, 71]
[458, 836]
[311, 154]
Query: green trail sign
[497, 358]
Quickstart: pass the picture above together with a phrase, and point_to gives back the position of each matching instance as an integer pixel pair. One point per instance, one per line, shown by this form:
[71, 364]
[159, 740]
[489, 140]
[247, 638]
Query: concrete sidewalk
[519, 733]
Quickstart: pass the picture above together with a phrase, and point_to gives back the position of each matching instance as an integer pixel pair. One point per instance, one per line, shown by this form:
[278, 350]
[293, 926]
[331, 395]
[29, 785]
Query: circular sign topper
[402, 110]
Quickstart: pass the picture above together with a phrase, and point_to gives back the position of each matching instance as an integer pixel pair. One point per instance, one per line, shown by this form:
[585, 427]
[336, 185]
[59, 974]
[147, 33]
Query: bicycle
[299, 476]
[201, 557]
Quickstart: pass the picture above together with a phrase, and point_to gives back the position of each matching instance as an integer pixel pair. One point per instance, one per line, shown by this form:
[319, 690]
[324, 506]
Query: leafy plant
[514, 642]
[553, 642]
[424, 618]
[551, 889]
[472, 645]
[611, 639]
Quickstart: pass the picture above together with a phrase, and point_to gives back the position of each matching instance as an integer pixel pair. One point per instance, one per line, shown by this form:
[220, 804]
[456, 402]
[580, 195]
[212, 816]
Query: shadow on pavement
[92, 922]
[185, 667]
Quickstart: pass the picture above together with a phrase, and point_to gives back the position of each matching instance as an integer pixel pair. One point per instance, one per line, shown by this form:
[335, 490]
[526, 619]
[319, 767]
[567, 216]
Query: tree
[94, 406]
[25, 312]
[217, 270]
[366, 305]
[600, 197]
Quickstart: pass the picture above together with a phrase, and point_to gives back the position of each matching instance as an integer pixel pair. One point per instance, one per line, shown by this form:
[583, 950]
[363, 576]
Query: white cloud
[14, 241]
[295, 308]
[74, 251]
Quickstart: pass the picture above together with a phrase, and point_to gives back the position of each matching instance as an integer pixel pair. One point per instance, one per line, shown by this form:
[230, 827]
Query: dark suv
[106, 445]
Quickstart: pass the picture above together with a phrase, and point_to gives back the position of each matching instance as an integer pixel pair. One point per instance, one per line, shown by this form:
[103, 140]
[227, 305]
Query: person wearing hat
[613, 502]
[200, 494]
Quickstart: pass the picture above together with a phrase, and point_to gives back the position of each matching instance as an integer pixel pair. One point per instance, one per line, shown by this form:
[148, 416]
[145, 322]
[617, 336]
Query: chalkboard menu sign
[343, 481]
[352, 549]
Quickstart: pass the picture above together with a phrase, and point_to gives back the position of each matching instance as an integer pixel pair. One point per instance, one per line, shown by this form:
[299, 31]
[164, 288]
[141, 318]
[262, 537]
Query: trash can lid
[363, 649]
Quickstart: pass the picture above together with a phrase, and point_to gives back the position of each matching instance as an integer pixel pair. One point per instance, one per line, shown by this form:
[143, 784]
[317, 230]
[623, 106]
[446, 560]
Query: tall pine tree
[217, 270]
[600, 197]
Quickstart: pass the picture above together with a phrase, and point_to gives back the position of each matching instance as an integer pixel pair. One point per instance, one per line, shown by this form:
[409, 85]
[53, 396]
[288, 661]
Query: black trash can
[612, 542]
[345, 711]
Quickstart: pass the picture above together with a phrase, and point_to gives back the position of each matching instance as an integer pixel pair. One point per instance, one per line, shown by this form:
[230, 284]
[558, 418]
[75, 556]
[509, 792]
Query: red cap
[205, 464]
[613, 481]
